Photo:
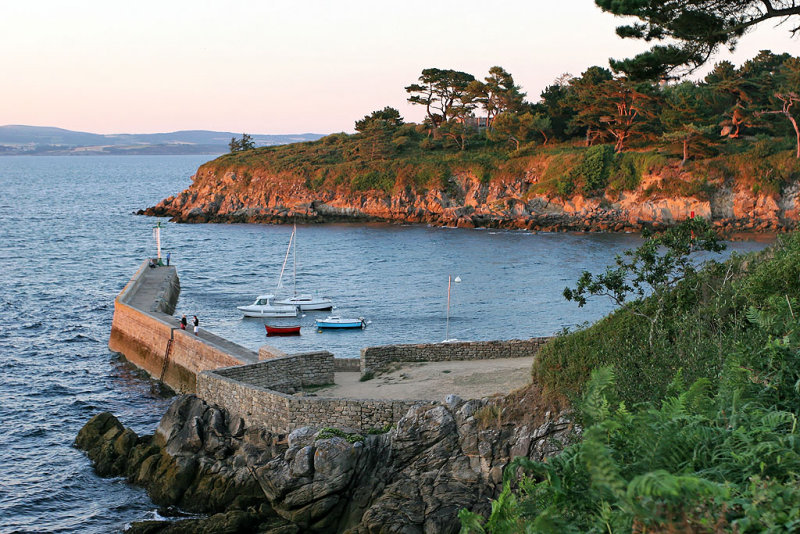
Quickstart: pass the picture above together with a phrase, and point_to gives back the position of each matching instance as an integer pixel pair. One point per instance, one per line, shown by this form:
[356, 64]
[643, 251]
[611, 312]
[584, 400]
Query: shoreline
[730, 230]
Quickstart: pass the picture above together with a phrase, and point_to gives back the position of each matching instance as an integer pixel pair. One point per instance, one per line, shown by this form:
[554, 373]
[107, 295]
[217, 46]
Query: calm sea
[69, 242]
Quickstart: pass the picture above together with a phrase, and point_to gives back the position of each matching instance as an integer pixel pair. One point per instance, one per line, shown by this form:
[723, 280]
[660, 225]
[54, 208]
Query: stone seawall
[286, 374]
[281, 413]
[144, 331]
[377, 359]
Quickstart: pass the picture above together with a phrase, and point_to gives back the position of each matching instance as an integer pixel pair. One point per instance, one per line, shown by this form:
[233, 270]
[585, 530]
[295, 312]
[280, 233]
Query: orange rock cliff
[240, 194]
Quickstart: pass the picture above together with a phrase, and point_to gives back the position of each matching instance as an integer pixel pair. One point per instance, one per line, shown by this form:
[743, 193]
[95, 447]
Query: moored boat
[292, 330]
[265, 307]
[308, 302]
[334, 321]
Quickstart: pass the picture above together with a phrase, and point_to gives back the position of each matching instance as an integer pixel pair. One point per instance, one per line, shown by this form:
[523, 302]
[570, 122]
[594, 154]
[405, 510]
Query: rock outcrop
[223, 195]
[412, 478]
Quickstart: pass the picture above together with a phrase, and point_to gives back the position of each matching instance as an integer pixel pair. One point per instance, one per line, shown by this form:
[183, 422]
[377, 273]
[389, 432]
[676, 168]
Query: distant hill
[40, 140]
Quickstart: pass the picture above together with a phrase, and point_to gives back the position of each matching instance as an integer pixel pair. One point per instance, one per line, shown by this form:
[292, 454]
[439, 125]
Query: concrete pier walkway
[149, 296]
[145, 331]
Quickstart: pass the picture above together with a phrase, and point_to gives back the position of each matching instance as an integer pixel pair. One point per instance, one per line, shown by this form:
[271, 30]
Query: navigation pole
[157, 235]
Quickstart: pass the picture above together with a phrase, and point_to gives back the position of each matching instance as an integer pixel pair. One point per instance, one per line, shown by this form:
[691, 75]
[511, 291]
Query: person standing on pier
[184, 322]
[196, 324]
[168, 255]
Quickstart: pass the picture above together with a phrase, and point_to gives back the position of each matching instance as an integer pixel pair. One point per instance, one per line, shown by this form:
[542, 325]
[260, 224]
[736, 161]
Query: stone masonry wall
[286, 374]
[256, 405]
[282, 413]
[143, 335]
[377, 359]
[341, 365]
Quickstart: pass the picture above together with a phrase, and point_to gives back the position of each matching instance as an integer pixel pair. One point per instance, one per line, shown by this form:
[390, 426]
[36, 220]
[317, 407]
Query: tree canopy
[440, 91]
[386, 117]
[692, 29]
[245, 143]
[693, 119]
[498, 93]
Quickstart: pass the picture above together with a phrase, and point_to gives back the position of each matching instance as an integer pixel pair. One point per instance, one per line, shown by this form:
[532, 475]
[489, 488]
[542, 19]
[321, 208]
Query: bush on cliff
[657, 455]
[702, 321]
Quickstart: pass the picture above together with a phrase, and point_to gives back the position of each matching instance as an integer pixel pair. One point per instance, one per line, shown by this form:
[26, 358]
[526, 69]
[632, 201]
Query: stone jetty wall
[145, 332]
[286, 374]
[239, 391]
[377, 359]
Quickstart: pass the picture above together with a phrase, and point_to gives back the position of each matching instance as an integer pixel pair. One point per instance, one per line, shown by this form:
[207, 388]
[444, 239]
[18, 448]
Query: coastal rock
[413, 478]
[218, 195]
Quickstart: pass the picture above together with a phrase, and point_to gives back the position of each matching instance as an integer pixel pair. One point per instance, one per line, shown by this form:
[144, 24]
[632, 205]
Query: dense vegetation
[591, 134]
[694, 432]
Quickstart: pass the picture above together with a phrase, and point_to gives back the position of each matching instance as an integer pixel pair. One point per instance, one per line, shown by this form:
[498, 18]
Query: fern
[471, 523]
[718, 456]
[596, 407]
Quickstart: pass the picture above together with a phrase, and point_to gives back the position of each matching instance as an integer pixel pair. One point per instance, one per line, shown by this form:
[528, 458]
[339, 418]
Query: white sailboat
[304, 301]
[264, 306]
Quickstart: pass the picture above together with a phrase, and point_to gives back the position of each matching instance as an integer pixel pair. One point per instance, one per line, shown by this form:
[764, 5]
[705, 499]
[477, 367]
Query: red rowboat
[282, 330]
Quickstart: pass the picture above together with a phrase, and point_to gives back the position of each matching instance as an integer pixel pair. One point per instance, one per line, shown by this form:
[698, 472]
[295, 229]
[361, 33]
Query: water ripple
[71, 243]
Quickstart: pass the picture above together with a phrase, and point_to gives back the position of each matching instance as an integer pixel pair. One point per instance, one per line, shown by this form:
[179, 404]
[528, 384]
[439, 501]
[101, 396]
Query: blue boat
[334, 321]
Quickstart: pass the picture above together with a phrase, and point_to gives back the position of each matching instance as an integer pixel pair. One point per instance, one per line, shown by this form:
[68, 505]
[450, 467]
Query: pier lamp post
[450, 281]
[157, 235]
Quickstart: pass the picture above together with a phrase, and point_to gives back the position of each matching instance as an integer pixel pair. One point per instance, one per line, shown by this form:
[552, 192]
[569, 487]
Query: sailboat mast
[285, 259]
[447, 327]
[294, 277]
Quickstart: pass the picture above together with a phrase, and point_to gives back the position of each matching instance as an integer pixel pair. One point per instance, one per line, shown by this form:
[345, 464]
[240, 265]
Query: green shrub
[565, 186]
[625, 175]
[335, 138]
[707, 458]
[594, 170]
[373, 180]
[427, 144]
[401, 142]
[381, 430]
[628, 169]
[329, 432]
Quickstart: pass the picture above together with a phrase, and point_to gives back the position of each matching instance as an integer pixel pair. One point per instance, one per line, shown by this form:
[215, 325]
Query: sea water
[69, 242]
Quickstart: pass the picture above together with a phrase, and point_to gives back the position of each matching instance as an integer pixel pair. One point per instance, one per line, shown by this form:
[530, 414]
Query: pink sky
[264, 67]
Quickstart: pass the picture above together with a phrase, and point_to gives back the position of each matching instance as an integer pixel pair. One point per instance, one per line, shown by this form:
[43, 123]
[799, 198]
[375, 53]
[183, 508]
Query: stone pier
[282, 392]
[147, 334]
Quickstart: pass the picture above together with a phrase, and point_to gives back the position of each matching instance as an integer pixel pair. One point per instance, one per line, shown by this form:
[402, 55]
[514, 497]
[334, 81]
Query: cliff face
[241, 194]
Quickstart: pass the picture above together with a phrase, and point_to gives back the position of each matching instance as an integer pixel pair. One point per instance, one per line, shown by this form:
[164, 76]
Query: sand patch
[435, 380]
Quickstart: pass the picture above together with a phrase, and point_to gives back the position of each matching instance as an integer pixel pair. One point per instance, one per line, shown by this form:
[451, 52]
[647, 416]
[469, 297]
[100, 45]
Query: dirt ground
[435, 380]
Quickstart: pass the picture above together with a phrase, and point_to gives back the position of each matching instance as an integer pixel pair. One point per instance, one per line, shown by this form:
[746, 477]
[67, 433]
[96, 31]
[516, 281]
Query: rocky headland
[412, 477]
[236, 193]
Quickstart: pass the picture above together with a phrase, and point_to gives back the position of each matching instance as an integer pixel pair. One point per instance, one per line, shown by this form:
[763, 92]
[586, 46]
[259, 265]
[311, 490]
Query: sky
[268, 67]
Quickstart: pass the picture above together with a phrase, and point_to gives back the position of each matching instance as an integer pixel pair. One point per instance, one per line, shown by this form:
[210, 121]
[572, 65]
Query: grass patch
[329, 432]
[489, 416]
[381, 430]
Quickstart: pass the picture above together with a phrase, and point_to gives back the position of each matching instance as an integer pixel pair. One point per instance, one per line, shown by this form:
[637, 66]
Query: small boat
[293, 330]
[265, 307]
[307, 302]
[334, 321]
